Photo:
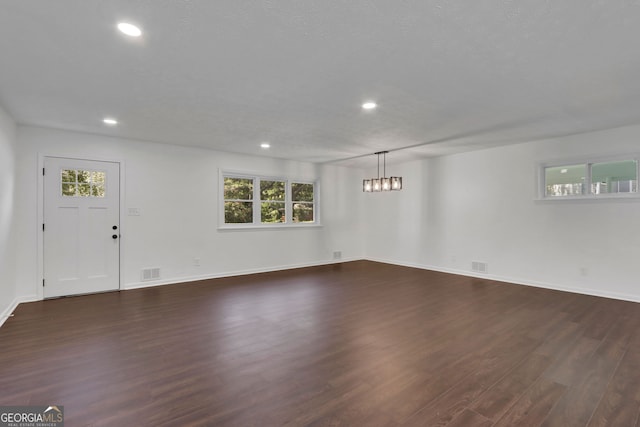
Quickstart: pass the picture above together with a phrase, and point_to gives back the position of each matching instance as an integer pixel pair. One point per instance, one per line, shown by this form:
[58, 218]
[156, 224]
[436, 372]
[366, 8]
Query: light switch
[134, 212]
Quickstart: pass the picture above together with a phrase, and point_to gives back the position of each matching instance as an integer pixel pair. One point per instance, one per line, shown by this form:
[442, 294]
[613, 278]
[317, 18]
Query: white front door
[81, 226]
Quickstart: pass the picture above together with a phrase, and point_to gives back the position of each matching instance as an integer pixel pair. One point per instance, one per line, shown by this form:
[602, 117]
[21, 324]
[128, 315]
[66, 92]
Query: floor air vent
[480, 267]
[150, 274]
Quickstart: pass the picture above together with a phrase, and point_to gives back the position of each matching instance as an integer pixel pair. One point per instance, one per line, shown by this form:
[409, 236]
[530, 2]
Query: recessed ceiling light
[109, 121]
[563, 171]
[129, 29]
[265, 145]
[369, 105]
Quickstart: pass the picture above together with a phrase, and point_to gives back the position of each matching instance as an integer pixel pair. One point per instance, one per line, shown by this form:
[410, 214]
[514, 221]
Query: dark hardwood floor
[355, 344]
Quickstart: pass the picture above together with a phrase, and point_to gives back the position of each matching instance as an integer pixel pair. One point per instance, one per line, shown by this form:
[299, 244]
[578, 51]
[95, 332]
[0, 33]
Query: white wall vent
[150, 274]
[480, 267]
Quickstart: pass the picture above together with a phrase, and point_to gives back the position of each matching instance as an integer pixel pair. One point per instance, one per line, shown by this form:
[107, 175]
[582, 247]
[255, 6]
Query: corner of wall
[8, 240]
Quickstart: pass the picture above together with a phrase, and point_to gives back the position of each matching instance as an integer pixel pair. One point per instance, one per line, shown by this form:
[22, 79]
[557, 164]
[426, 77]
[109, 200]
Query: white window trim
[588, 161]
[257, 224]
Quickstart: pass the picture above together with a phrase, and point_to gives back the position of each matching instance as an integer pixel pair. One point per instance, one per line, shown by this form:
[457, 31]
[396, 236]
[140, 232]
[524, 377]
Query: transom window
[591, 179]
[82, 183]
[264, 201]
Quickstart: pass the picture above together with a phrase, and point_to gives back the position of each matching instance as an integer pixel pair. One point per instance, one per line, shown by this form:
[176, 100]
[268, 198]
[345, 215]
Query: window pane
[303, 212]
[272, 212]
[97, 190]
[238, 189]
[84, 189]
[84, 176]
[97, 177]
[272, 190]
[68, 175]
[238, 212]
[565, 180]
[614, 177]
[301, 192]
[68, 189]
[89, 183]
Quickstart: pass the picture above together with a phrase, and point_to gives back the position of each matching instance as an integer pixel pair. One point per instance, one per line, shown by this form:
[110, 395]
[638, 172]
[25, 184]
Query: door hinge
[43, 171]
[42, 227]
[43, 283]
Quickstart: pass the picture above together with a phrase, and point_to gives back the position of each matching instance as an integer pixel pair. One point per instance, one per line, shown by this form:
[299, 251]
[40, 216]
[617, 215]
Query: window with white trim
[272, 201]
[238, 200]
[302, 203]
[595, 179]
[266, 201]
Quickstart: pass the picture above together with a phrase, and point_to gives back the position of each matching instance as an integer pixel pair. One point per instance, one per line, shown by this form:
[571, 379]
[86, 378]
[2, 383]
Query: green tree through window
[272, 197]
[238, 200]
[280, 201]
[302, 202]
[82, 183]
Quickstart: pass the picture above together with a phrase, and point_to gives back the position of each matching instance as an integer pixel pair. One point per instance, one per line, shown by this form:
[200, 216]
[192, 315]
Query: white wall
[477, 206]
[176, 190]
[481, 206]
[7, 214]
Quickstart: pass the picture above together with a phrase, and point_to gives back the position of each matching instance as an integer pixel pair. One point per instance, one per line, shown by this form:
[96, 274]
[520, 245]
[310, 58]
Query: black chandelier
[384, 183]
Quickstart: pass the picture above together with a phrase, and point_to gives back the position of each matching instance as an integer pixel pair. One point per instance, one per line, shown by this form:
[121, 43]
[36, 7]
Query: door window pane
[98, 181]
[82, 183]
[68, 189]
[68, 175]
[84, 176]
[84, 189]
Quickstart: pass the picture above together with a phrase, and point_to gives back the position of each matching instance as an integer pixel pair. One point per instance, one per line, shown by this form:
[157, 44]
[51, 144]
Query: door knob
[115, 227]
[115, 236]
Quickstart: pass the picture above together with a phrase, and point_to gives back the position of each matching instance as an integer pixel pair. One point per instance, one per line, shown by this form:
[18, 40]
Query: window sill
[252, 227]
[592, 198]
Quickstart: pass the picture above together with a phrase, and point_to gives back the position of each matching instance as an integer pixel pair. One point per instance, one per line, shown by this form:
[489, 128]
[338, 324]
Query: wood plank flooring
[353, 344]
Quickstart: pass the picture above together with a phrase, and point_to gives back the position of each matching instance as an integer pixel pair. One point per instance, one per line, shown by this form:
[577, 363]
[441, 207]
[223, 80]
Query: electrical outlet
[196, 262]
[337, 254]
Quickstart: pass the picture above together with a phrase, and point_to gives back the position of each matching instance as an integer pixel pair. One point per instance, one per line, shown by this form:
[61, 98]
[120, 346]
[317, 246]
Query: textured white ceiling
[448, 75]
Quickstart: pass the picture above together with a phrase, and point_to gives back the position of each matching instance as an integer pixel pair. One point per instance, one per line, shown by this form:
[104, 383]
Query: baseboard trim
[186, 279]
[7, 312]
[513, 280]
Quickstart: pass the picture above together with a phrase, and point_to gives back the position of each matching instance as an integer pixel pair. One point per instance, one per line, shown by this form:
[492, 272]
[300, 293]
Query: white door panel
[81, 209]
[97, 265]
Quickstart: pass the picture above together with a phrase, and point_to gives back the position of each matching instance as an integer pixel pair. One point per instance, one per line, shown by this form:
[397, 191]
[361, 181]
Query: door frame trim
[40, 214]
